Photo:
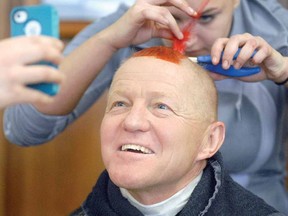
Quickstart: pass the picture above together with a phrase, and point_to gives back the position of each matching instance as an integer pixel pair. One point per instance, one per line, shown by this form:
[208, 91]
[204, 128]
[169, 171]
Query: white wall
[86, 9]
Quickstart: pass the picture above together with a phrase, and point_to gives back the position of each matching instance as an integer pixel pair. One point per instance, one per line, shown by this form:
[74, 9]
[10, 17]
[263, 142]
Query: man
[159, 139]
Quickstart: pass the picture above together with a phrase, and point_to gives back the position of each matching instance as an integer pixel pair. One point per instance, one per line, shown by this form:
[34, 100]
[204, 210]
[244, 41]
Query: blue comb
[206, 62]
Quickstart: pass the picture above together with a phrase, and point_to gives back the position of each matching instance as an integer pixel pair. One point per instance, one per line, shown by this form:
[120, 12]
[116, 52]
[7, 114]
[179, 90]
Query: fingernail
[225, 64]
[214, 60]
[237, 65]
[192, 12]
[180, 36]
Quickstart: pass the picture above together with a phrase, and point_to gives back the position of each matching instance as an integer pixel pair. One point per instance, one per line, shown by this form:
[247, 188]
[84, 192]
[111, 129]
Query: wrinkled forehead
[152, 76]
[148, 74]
[185, 82]
[153, 69]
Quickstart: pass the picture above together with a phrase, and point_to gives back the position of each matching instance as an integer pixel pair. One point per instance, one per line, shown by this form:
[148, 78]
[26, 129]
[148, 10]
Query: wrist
[105, 39]
[283, 79]
[282, 83]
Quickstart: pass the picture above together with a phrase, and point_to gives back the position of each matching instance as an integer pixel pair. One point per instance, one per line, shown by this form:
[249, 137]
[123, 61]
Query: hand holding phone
[36, 20]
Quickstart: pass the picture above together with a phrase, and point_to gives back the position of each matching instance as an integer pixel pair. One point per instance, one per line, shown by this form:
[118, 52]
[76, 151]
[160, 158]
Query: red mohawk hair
[161, 52]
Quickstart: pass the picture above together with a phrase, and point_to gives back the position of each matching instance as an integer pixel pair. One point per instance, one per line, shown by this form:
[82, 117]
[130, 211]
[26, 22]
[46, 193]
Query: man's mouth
[136, 149]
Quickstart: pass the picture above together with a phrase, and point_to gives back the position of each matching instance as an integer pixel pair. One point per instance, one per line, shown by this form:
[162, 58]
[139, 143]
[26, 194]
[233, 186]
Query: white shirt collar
[168, 207]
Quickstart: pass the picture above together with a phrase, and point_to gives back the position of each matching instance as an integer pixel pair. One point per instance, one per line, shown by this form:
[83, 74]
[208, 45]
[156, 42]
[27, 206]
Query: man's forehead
[151, 70]
[153, 65]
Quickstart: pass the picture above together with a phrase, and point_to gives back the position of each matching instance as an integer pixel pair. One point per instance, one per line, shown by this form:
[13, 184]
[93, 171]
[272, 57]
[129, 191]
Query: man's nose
[137, 119]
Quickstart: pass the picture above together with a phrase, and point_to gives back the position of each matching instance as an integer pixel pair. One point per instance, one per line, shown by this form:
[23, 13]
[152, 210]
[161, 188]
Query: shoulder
[262, 11]
[243, 200]
[265, 18]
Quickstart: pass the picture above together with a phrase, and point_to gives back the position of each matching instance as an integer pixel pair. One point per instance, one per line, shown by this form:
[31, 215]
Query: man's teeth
[136, 148]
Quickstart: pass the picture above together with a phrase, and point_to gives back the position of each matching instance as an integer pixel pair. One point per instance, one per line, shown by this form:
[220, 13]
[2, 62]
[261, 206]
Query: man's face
[216, 22]
[150, 134]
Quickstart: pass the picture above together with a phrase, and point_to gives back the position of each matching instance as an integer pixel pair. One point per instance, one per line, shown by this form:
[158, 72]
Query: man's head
[160, 124]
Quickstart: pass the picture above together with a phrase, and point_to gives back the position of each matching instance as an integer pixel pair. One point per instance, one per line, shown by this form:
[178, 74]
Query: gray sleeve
[25, 126]
[265, 18]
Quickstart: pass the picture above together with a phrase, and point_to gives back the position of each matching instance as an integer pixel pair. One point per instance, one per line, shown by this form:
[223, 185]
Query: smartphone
[40, 19]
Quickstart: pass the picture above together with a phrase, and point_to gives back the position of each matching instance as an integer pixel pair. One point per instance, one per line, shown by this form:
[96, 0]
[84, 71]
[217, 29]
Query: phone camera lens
[20, 16]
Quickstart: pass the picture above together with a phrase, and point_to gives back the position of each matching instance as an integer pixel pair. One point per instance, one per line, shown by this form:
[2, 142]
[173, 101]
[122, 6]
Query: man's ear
[213, 140]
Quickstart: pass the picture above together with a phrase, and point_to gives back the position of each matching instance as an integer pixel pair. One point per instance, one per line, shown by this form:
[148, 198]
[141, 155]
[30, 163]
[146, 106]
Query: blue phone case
[36, 20]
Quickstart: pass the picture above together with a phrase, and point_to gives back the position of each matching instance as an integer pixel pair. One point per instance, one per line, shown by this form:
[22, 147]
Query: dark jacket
[215, 195]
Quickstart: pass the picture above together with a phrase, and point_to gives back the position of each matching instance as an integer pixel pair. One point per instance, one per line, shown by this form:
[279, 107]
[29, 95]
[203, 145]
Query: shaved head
[198, 88]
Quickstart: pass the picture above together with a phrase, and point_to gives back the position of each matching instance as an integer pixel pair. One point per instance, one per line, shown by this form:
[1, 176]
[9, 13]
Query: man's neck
[168, 207]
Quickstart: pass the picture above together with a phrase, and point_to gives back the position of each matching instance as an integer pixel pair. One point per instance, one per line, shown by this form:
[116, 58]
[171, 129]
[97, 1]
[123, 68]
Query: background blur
[55, 178]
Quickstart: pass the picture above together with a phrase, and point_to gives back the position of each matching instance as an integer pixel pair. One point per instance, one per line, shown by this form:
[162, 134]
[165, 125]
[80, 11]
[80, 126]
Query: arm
[24, 125]
[142, 22]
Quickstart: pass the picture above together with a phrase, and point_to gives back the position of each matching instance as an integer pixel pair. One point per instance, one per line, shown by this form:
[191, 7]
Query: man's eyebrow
[158, 94]
[164, 95]
[117, 92]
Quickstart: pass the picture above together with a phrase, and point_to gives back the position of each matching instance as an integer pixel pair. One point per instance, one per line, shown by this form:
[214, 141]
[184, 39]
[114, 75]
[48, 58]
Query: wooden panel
[3, 168]
[68, 29]
[30, 2]
[54, 179]
[4, 19]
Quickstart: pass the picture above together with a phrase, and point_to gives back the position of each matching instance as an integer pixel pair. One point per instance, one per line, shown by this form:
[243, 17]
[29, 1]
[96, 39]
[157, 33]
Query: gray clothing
[252, 112]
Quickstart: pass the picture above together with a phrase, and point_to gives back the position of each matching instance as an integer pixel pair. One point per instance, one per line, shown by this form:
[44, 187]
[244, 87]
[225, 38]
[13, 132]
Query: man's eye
[118, 104]
[162, 110]
[162, 106]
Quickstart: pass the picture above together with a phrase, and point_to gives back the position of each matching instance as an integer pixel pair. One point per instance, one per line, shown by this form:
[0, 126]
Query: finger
[173, 26]
[246, 52]
[36, 74]
[50, 55]
[164, 33]
[23, 94]
[19, 43]
[30, 95]
[232, 47]
[27, 50]
[264, 51]
[217, 48]
[43, 40]
[164, 17]
[181, 4]
[43, 52]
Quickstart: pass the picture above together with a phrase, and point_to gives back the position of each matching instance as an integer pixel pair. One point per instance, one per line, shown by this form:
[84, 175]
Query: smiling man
[160, 137]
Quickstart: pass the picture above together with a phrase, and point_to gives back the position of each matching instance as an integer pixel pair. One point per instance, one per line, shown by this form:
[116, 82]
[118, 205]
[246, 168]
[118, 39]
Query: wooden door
[54, 179]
